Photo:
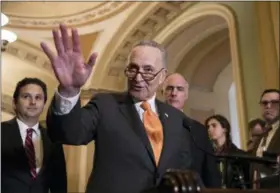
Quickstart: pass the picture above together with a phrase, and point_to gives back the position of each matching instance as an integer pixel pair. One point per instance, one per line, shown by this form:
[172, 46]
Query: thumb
[92, 60]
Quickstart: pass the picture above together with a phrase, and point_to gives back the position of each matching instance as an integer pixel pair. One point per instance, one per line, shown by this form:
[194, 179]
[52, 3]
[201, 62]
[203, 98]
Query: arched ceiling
[24, 57]
[200, 51]
[48, 9]
[207, 58]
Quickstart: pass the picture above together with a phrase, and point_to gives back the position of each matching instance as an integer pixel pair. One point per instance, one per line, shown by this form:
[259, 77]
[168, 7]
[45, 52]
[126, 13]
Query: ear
[162, 76]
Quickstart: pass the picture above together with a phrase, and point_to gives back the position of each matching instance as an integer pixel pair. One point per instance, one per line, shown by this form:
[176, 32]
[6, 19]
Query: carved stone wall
[31, 56]
[152, 24]
[99, 13]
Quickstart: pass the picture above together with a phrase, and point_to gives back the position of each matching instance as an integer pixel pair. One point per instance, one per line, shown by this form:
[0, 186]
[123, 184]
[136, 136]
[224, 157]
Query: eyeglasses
[272, 103]
[131, 73]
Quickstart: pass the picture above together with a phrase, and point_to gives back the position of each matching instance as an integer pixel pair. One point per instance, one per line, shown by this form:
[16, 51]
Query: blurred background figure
[219, 132]
[175, 92]
[269, 143]
[256, 129]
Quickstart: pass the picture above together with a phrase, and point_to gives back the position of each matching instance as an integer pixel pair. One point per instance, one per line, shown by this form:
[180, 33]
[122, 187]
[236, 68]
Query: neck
[220, 142]
[141, 100]
[29, 121]
[271, 122]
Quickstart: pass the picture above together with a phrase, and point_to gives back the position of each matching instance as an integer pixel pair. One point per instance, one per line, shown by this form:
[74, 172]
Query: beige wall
[6, 116]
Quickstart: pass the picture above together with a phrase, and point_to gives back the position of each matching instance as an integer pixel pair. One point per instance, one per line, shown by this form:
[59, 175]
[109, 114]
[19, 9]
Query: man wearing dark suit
[269, 142]
[175, 92]
[31, 163]
[137, 138]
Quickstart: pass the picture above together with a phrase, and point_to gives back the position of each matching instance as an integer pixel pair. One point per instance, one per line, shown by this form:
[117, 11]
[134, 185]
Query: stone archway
[212, 9]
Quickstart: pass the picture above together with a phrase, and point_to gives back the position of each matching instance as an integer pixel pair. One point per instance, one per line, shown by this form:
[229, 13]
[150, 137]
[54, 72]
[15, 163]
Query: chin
[142, 96]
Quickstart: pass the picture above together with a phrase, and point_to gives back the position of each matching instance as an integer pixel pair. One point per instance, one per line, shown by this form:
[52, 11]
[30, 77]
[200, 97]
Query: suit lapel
[275, 142]
[129, 111]
[169, 142]
[19, 153]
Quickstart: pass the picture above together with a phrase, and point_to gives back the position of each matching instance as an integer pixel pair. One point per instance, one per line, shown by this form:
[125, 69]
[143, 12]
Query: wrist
[68, 92]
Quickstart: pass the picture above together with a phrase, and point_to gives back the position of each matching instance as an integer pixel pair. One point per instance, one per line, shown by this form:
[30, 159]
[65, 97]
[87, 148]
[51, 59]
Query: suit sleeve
[211, 175]
[78, 127]
[58, 182]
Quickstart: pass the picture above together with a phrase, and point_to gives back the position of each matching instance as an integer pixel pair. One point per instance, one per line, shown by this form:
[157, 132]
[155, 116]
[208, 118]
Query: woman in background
[235, 174]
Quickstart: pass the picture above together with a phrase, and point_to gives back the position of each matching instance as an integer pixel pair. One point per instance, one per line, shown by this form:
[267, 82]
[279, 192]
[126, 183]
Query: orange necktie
[154, 130]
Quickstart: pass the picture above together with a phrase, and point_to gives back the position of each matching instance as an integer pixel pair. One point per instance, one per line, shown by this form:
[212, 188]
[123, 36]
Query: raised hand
[69, 65]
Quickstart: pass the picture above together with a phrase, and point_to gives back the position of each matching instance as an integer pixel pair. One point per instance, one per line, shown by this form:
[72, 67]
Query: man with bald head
[175, 92]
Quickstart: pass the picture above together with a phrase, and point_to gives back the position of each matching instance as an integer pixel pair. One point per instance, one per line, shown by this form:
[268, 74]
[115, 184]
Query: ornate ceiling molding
[151, 25]
[97, 14]
[150, 19]
[31, 56]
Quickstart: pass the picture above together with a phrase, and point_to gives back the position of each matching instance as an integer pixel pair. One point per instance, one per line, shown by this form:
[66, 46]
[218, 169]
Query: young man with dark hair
[31, 163]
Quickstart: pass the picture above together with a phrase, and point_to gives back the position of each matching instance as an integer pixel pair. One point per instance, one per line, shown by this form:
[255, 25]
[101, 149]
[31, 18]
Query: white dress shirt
[37, 142]
[65, 105]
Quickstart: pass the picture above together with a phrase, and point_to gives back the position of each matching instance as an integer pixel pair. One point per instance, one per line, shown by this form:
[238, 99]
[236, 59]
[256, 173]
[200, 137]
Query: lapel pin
[166, 115]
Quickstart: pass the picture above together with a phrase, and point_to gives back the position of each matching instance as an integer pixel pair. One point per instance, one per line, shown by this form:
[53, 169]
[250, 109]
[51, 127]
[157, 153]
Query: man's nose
[138, 77]
[174, 92]
[32, 101]
[268, 106]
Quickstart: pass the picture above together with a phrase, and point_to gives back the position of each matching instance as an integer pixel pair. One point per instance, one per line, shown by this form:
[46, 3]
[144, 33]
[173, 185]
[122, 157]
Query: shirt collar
[151, 101]
[24, 127]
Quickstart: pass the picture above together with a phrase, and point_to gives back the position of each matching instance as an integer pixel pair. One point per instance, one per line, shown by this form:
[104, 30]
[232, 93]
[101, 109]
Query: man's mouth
[137, 87]
[32, 109]
[173, 100]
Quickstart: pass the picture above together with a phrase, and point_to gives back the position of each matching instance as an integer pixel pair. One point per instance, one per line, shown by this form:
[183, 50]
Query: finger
[175, 182]
[65, 37]
[58, 42]
[92, 60]
[76, 41]
[190, 182]
[48, 51]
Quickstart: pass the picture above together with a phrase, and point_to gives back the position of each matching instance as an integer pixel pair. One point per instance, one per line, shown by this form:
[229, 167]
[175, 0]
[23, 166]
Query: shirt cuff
[64, 105]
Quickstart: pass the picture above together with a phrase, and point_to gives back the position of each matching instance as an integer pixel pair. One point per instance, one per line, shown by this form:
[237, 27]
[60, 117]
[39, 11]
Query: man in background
[175, 92]
[256, 129]
[31, 163]
[269, 144]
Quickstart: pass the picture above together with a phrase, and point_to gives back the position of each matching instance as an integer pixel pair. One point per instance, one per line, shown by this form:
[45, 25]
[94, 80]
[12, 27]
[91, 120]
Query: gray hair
[154, 44]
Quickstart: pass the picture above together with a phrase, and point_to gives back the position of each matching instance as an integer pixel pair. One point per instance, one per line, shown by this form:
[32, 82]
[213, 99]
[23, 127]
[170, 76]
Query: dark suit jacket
[123, 160]
[205, 163]
[16, 177]
[273, 148]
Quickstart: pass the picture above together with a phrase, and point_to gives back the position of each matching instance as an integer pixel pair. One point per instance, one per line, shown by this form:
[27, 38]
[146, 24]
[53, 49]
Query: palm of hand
[70, 70]
[69, 65]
